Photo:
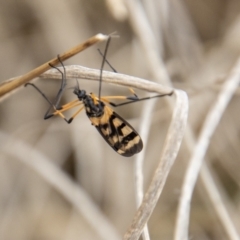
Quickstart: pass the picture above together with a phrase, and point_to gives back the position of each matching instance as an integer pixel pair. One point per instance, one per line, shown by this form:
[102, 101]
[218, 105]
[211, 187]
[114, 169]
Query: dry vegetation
[60, 181]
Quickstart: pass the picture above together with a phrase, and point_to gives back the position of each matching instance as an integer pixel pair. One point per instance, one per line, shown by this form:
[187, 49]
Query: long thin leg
[63, 82]
[60, 91]
[47, 115]
[55, 105]
[102, 66]
[59, 111]
[44, 96]
[71, 118]
[108, 63]
[74, 115]
[133, 98]
[105, 99]
[66, 107]
[63, 109]
[72, 104]
[114, 70]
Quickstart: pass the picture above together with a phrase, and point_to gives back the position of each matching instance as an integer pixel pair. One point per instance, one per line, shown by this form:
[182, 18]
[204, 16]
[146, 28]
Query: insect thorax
[93, 109]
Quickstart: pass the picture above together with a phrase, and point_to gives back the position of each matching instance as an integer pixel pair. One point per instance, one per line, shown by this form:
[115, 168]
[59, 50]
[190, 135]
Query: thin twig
[12, 84]
[170, 150]
[139, 159]
[145, 35]
[79, 72]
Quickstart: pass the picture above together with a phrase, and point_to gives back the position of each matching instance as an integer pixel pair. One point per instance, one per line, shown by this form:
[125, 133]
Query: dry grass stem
[79, 72]
[149, 44]
[170, 150]
[10, 85]
[209, 126]
[139, 159]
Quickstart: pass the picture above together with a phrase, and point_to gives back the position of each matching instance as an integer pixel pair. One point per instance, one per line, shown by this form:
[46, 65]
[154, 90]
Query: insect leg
[114, 70]
[63, 82]
[59, 94]
[74, 115]
[44, 96]
[47, 115]
[102, 65]
[60, 91]
[105, 59]
[70, 104]
[132, 99]
[65, 107]
[59, 112]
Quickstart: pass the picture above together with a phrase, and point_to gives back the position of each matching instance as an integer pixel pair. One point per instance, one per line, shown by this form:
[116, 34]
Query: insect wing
[119, 134]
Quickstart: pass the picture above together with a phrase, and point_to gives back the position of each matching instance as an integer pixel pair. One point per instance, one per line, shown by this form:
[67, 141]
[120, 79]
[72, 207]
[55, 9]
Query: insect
[116, 131]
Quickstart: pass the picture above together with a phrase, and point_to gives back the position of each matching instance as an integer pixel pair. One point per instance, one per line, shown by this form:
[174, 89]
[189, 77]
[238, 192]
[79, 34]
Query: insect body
[116, 131]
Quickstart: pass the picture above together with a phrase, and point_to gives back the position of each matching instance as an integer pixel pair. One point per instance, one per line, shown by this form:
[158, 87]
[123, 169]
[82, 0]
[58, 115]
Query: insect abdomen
[118, 133]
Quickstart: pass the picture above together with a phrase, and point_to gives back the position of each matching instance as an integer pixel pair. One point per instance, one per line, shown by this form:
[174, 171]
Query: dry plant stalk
[12, 84]
[79, 72]
[172, 141]
[137, 17]
[171, 147]
[146, 37]
[196, 161]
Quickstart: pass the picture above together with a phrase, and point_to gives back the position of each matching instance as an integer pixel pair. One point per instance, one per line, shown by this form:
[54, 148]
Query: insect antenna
[102, 65]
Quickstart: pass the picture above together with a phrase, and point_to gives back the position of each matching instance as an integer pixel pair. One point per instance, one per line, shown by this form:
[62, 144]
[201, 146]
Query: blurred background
[198, 41]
